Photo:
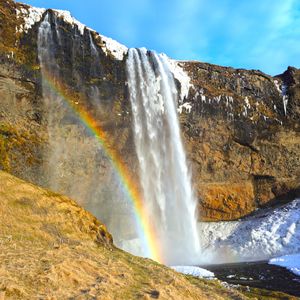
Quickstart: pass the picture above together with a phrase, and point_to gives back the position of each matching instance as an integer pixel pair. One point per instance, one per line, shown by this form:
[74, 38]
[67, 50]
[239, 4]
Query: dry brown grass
[50, 248]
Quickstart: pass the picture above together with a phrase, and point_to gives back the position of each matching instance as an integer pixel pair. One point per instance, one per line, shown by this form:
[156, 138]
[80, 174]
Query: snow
[31, 15]
[277, 85]
[182, 77]
[218, 99]
[247, 102]
[186, 106]
[272, 233]
[285, 98]
[67, 17]
[247, 106]
[282, 90]
[110, 46]
[291, 262]
[115, 48]
[194, 271]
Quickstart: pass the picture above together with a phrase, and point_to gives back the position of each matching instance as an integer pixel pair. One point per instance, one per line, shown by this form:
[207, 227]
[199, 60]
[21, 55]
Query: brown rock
[225, 200]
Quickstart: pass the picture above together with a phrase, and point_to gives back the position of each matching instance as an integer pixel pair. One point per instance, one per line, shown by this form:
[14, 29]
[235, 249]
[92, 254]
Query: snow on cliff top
[32, 15]
[115, 48]
[68, 18]
[182, 77]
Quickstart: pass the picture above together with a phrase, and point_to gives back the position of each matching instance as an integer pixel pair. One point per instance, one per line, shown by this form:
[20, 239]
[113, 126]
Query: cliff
[242, 135]
[240, 127]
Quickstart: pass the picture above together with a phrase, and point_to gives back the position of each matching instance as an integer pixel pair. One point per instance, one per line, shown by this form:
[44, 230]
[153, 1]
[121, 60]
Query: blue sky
[252, 34]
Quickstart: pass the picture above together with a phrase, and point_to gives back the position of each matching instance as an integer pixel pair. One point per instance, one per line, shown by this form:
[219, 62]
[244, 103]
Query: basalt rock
[240, 127]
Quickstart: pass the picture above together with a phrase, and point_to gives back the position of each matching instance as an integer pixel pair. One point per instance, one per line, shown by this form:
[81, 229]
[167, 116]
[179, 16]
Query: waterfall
[74, 163]
[74, 159]
[165, 180]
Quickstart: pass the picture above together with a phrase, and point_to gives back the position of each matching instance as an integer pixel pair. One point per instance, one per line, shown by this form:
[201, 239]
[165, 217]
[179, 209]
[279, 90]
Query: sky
[250, 34]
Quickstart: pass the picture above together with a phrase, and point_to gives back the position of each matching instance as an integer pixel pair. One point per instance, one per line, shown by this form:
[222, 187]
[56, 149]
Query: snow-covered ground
[194, 271]
[291, 262]
[271, 233]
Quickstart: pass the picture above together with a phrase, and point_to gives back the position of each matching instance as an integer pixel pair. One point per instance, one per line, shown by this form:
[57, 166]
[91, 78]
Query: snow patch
[187, 106]
[182, 77]
[247, 106]
[285, 98]
[194, 271]
[282, 90]
[218, 99]
[109, 45]
[277, 85]
[272, 233]
[247, 102]
[68, 18]
[30, 15]
[290, 262]
[115, 48]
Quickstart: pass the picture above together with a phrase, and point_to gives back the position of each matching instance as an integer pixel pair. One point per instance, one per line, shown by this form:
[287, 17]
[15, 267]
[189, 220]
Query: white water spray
[75, 164]
[164, 175]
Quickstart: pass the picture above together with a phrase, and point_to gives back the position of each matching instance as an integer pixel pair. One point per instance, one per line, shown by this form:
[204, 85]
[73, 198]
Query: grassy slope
[50, 248]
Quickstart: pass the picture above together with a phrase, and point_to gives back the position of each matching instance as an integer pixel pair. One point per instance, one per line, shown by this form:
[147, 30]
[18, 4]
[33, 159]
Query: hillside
[53, 249]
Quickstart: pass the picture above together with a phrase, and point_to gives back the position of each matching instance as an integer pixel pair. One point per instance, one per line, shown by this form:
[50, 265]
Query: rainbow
[146, 230]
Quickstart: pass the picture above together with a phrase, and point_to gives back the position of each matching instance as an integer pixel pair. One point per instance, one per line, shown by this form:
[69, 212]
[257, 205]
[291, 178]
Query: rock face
[240, 128]
[242, 136]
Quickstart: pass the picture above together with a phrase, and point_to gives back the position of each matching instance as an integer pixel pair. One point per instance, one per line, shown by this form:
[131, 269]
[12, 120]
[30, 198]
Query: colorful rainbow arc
[146, 230]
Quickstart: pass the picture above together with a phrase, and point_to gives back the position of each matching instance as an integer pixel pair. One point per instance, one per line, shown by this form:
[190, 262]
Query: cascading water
[75, 164]
[74, 158]
[165, 180]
